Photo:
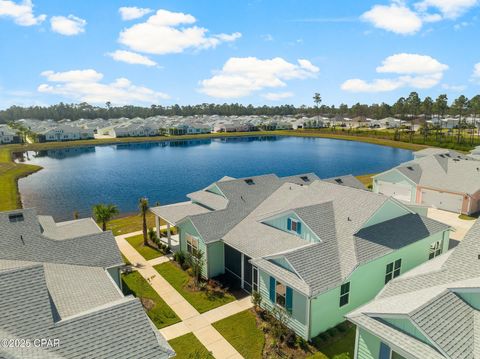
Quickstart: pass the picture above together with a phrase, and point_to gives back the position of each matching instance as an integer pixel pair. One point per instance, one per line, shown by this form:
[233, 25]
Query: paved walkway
[192, 320]
[460, 226]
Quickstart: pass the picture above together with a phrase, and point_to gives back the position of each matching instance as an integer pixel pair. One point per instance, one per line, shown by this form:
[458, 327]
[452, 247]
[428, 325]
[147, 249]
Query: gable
[393, 176]
[282, 262]
[214, 189]
[281, 222]
[389, 210]
[405, 325]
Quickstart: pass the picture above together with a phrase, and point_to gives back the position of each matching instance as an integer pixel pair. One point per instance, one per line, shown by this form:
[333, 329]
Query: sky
[248, 51]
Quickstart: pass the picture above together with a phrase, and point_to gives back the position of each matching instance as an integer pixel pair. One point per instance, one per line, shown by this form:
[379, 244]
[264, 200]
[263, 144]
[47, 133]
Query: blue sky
[257, 51]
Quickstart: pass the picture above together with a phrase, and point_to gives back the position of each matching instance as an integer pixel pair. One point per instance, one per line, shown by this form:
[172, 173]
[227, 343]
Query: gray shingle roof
[347, 180]
[120, 329]
[459, 174]
[385, 237]
[24, 241]
[427, 295]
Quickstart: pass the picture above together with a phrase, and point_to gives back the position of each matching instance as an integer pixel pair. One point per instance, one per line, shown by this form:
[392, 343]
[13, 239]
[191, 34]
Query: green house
[430, 312]
[313, 248]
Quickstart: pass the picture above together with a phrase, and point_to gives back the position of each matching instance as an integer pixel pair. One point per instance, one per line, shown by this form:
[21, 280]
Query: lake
[77, 178]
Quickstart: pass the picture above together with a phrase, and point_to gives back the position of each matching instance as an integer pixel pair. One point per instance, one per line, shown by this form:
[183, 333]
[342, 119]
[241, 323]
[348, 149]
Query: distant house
[64, 133]
[430, 312]
[437, 178]
[8, 135]
[235, 126]
[316, 250]
[61, 281]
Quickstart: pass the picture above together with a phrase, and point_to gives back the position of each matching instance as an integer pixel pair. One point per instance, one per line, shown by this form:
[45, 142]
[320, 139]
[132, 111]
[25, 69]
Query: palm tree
[143, 206]
[318, 100]
[104, 213]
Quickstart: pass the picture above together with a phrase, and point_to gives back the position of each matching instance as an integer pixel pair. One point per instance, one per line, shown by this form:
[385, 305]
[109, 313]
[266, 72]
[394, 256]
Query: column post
[157, 226]
[242, 271]
[169, 235]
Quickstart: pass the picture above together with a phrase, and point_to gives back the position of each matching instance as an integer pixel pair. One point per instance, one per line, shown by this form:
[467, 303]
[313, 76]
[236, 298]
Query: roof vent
[305, 178]
[410, 168]
[443, 156]
[249, 181]
[15, 217]
[447, 154]
[339, 180]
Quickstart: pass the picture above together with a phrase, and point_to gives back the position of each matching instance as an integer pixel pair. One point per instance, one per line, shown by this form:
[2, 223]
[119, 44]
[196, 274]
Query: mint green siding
[393, 176]
[298, 318]
[365, 282]
[115, 274]
[472, 298]
[186, 227]
[368, 345]
[389, 210]
[216, 259]
[405, 325]
[214, 189]
[280, 223]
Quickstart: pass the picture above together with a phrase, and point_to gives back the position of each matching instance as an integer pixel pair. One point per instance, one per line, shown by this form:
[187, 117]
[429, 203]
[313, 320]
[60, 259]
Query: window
[192, 244]
[280, 294]
[344, 294]
[294, 226]
[435, 249]
[15, 217]
[393, 270]
[255, 279]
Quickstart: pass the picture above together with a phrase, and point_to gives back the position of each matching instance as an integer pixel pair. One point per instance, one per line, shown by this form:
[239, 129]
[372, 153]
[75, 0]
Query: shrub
[332, 332]
[256, 299]
[290, 339]
[342, 327]
[302, 343]
[179, 257]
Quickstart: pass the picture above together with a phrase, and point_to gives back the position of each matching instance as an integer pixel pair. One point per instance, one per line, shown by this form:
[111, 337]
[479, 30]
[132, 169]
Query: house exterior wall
[465, 201]
[187, 228]
[475, 203]
[298, 318]
[216, 259]
[367, 345]
[389, 210]
[394, 177]
[365, 282]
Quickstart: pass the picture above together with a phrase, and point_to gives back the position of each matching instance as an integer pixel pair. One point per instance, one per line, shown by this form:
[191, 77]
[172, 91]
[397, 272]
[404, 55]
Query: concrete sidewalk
[460, 226]
[192, 320]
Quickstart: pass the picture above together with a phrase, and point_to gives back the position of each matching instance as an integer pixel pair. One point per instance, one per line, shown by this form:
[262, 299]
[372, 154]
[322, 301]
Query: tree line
[404, 107]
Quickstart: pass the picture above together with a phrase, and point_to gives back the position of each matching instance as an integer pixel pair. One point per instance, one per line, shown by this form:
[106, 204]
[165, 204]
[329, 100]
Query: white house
[7, 135]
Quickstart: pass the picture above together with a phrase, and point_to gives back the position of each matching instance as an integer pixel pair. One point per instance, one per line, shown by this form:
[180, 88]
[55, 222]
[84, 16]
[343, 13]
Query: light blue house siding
[185, 229]
[313, 316]
[282, 223]
[390, 209]
[395, 177]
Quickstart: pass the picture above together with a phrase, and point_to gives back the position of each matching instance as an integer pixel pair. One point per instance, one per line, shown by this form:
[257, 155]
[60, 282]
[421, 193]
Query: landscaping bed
[157, 310]
[257, 334]
[203, 299]
[148, 252]
[188, 346]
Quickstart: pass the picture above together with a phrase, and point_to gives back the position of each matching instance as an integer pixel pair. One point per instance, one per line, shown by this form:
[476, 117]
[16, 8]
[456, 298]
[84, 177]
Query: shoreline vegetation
[11, 171]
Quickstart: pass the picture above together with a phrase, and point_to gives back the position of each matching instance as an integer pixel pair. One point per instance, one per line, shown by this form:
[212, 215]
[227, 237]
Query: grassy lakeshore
[10, 171]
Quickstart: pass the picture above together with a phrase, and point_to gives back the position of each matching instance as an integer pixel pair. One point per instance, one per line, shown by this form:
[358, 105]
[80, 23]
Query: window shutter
[289, 224]
[272, 289]
[288, 300]
[299, 227]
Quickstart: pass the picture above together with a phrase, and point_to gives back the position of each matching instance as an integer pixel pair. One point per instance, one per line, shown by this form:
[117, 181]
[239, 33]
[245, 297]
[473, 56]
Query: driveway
[461, 226]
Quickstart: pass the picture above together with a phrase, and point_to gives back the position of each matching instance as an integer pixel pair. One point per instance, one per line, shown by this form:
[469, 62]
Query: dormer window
[294, 225]
[15, 217]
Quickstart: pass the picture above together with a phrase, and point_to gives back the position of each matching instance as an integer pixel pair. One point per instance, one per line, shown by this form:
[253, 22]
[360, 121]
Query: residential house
[64, 133]
[8, 135]
[430, 312]
[61, 282]
[437, 178]
[312, 248]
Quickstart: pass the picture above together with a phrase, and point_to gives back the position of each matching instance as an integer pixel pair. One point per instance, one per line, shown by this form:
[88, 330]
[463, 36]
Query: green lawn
[241, 331]
[468, 218]
[367, 180]
[189, 347]
[343, 348]
[146, 251]
[125, 259]
[199, 299]
[129, 224]
[160, 314]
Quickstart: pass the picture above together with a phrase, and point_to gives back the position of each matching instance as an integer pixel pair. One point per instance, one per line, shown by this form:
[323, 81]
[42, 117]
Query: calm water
[77, 178]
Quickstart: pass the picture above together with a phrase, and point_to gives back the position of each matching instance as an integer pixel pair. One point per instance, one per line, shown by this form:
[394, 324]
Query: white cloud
[277, 96]
[133, 12]
[85, 86]
[68, 25]
[21, 13]
[395, 17]
[456, 88]
[241, 76]
[450, 9]
[131, 58]
[476, 72]
[416, 71]
[267, 37]
[162, 34]
[411, 64]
